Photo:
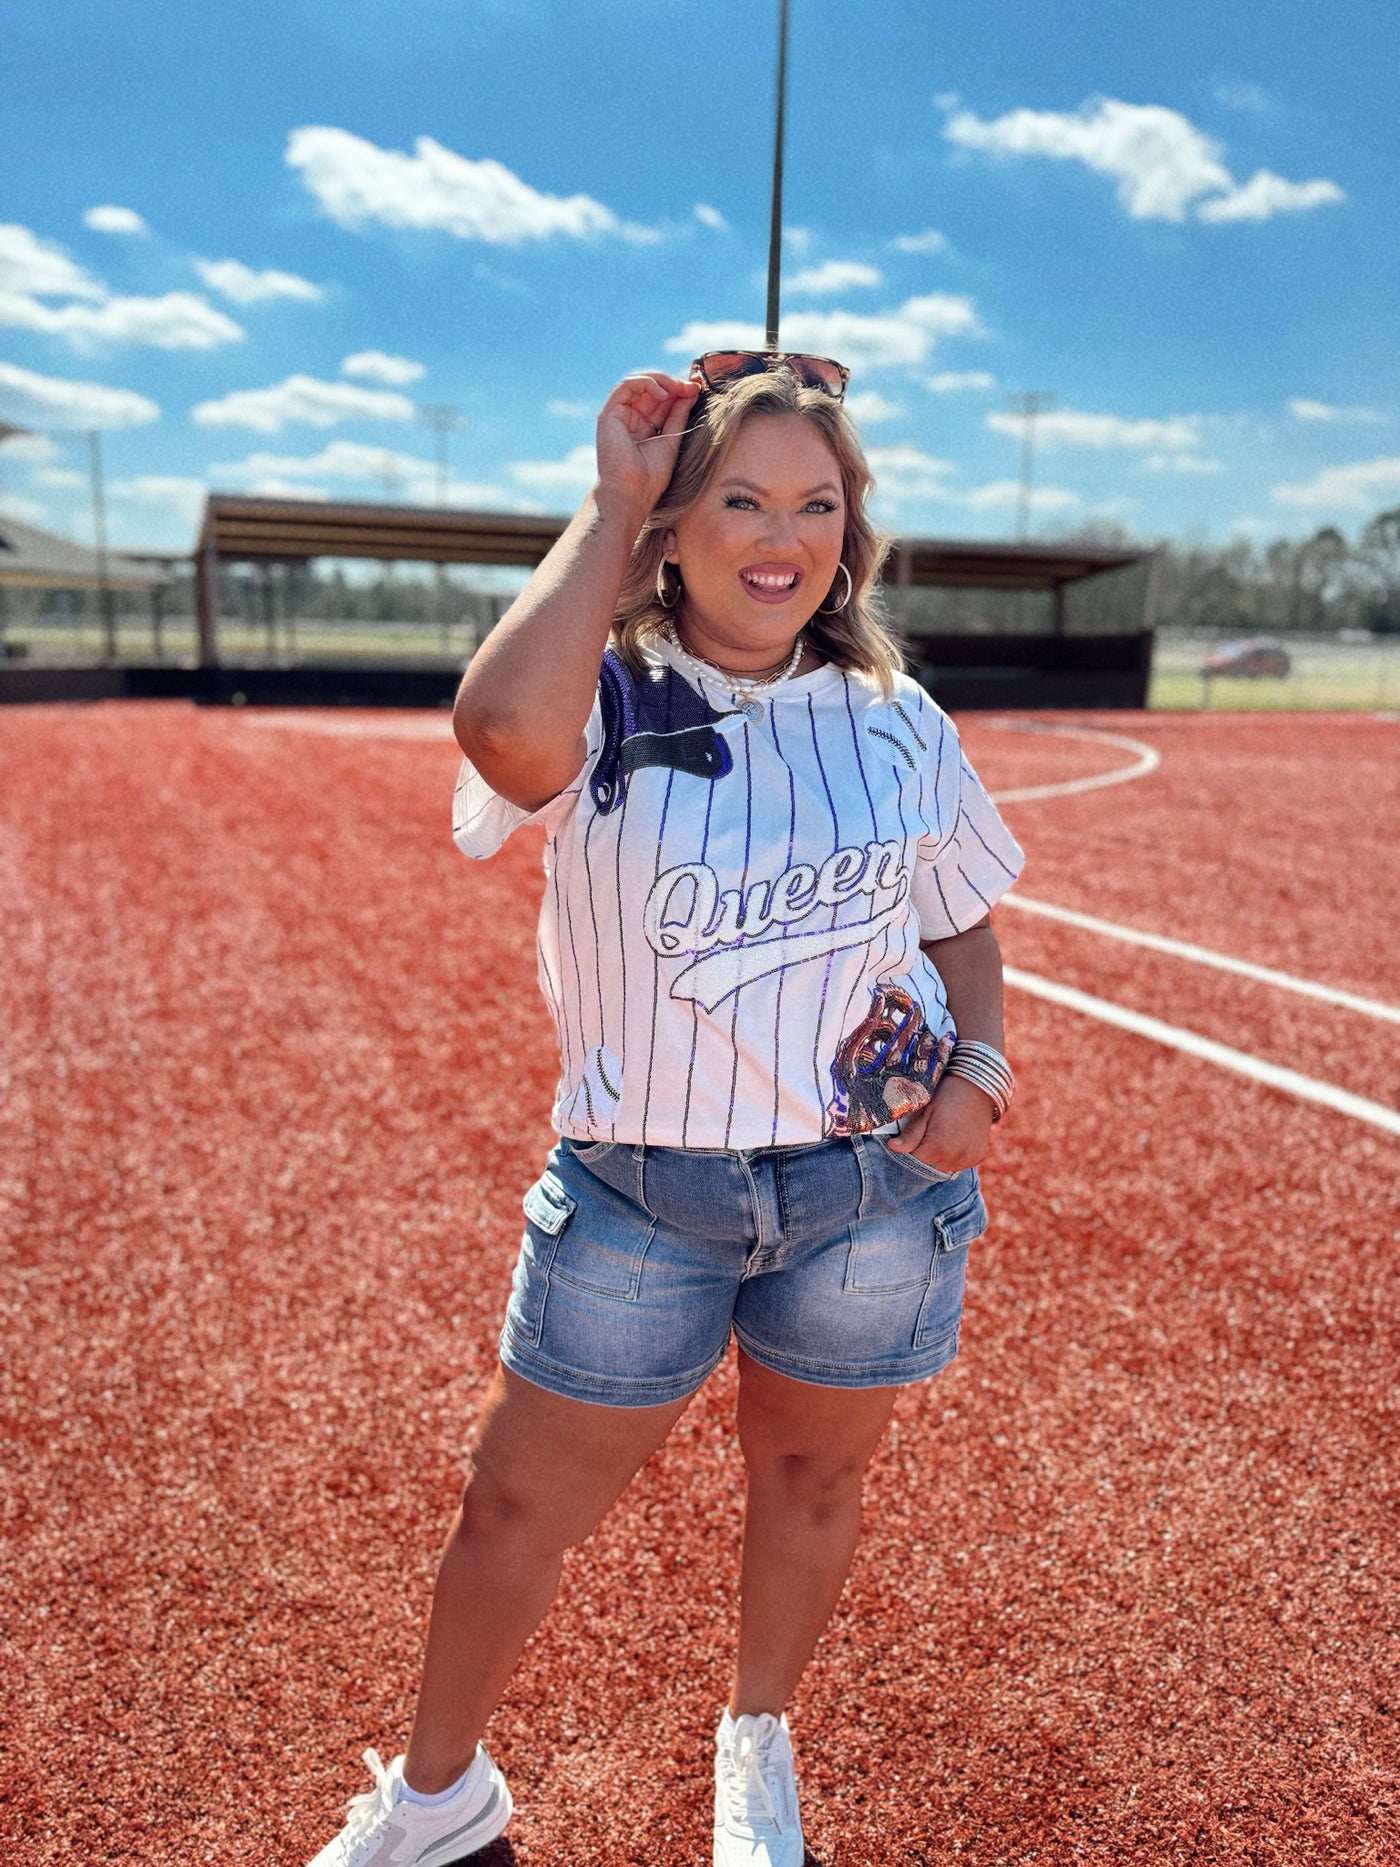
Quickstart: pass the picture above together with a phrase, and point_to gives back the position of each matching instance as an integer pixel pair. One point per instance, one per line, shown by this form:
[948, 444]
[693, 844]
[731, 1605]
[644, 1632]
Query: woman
[765, 916]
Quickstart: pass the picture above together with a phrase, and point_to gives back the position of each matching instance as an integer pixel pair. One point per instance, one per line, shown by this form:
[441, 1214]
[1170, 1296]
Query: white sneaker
[385, 1829]
[756, 1819]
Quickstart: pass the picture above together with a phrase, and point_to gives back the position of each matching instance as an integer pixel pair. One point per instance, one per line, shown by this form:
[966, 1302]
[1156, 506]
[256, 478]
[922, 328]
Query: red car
[1249, 660]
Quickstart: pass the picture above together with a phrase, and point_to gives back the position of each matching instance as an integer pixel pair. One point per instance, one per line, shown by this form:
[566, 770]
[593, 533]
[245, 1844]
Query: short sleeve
[961, 872]
[482, 819]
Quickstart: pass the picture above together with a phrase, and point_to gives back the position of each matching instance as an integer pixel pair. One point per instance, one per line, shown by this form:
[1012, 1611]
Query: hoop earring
[662, 587]
[836, 608]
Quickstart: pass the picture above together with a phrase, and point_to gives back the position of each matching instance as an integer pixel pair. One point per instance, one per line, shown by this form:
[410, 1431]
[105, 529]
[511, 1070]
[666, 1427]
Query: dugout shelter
[986, 624]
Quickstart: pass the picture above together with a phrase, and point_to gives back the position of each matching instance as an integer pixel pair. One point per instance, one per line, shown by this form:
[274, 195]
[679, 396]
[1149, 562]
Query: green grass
[1326, 677]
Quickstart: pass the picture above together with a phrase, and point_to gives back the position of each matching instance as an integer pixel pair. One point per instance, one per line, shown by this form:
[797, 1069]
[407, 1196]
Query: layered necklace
[744, 689]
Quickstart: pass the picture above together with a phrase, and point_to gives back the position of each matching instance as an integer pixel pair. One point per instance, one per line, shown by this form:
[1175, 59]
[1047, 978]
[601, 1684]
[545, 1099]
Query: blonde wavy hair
[858, 636]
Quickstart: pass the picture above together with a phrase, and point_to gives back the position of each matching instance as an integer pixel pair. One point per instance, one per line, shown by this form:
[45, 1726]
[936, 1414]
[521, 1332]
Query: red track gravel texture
[276, 1075]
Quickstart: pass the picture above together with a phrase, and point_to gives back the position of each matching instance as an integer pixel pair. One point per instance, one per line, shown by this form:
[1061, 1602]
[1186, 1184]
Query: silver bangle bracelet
[986, 1069]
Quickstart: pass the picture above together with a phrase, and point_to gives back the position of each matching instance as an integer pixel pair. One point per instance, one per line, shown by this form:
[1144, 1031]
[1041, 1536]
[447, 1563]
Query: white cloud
[231, 279]
[710, 217]
[358, 184]
[907, 472]
[1302, 409]
[834, 275]
[950, 382]
[1181, 463]
[173, 493]
[929, 241]
[175, 321]
[798, 240]
[62, 479]
[379, 366]
[34, 449]
[575, 473]
[1068, 427]
[468, 495]
[870, 405]
[1356, 487]
[53, 402]
[405, 478]
[1252, 527]
[114, 220]
[1266, 194]
[1164, 166]
[302, 399]
[337, 460]
[38, 268]
[286, 489]
[1248, 98]
[899, 338]
[32, 269]
[570, 411]
[18, 506]
[1004, 495]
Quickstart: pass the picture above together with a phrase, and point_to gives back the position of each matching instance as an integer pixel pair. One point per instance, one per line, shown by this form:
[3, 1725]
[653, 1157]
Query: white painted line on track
[1292, 1082]
[1206, 956]
[1146, 759]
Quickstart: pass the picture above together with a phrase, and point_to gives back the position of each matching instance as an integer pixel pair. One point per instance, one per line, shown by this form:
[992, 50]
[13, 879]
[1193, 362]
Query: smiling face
[758, 550]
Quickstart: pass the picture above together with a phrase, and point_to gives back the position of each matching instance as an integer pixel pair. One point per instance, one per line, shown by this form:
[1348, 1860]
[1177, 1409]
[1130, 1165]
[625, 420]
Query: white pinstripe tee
[729, 934]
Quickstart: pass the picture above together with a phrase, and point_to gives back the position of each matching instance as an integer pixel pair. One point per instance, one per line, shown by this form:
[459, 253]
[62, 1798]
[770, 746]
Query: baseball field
[275, 1076]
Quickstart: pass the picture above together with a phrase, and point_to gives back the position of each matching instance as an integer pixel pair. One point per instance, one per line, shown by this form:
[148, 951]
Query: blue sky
[249, 243]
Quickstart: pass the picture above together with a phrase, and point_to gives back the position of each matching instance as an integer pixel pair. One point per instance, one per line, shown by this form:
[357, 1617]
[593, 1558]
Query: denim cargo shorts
[840, 1263]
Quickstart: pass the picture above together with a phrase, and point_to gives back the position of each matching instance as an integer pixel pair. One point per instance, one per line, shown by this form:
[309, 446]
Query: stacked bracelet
[985, 1068]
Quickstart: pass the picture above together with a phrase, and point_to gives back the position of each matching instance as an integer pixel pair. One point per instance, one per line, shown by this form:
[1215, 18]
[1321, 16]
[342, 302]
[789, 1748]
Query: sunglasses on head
[718, 368]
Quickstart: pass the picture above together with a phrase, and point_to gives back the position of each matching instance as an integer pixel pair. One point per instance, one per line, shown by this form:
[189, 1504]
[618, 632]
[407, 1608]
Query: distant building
[31, 559]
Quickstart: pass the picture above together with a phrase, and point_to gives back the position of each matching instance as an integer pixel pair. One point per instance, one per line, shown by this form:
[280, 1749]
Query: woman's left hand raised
[952, 1131]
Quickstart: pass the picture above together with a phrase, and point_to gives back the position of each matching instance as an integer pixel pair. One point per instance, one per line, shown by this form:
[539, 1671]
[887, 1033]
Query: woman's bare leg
[544, 1471]
[806, 1449]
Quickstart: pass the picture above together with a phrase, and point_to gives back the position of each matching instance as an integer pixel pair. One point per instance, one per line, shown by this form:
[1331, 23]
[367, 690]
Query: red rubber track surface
[275, 1075]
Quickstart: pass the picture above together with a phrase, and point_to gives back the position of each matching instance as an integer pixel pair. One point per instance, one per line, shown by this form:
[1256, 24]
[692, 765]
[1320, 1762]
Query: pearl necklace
[742, 692]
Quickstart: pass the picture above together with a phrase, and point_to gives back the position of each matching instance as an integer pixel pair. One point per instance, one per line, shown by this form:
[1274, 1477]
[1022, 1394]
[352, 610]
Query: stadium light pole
[9, 432]
[99, 532]
[1028, 405]
[442, 418]
[775, 221]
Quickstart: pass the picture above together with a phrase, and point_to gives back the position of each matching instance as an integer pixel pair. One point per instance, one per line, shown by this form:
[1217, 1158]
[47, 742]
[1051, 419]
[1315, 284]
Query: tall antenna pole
[442, 418]
[775, 226]
[1028, 405]
[99, 531]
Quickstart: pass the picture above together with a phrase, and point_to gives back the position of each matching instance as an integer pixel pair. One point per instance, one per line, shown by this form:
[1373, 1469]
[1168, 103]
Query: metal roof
[977, 564]
[36, 560]
[298, 529]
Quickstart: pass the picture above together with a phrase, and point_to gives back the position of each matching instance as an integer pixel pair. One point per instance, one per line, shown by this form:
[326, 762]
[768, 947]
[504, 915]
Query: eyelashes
[744, 502]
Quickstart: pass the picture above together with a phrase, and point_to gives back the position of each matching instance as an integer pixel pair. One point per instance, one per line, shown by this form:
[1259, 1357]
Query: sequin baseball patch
[887, 1066]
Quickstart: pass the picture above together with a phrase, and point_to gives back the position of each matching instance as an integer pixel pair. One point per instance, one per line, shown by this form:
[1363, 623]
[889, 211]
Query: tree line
[1317, 585]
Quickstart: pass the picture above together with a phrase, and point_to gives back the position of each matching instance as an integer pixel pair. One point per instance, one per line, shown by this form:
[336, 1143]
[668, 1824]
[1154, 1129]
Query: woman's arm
[524, 700]
[953, 1130]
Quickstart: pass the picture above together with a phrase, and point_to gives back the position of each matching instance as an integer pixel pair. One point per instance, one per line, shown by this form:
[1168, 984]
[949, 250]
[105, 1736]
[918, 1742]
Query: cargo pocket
[941, 1310]
[604, 1244]
[548, 1209]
